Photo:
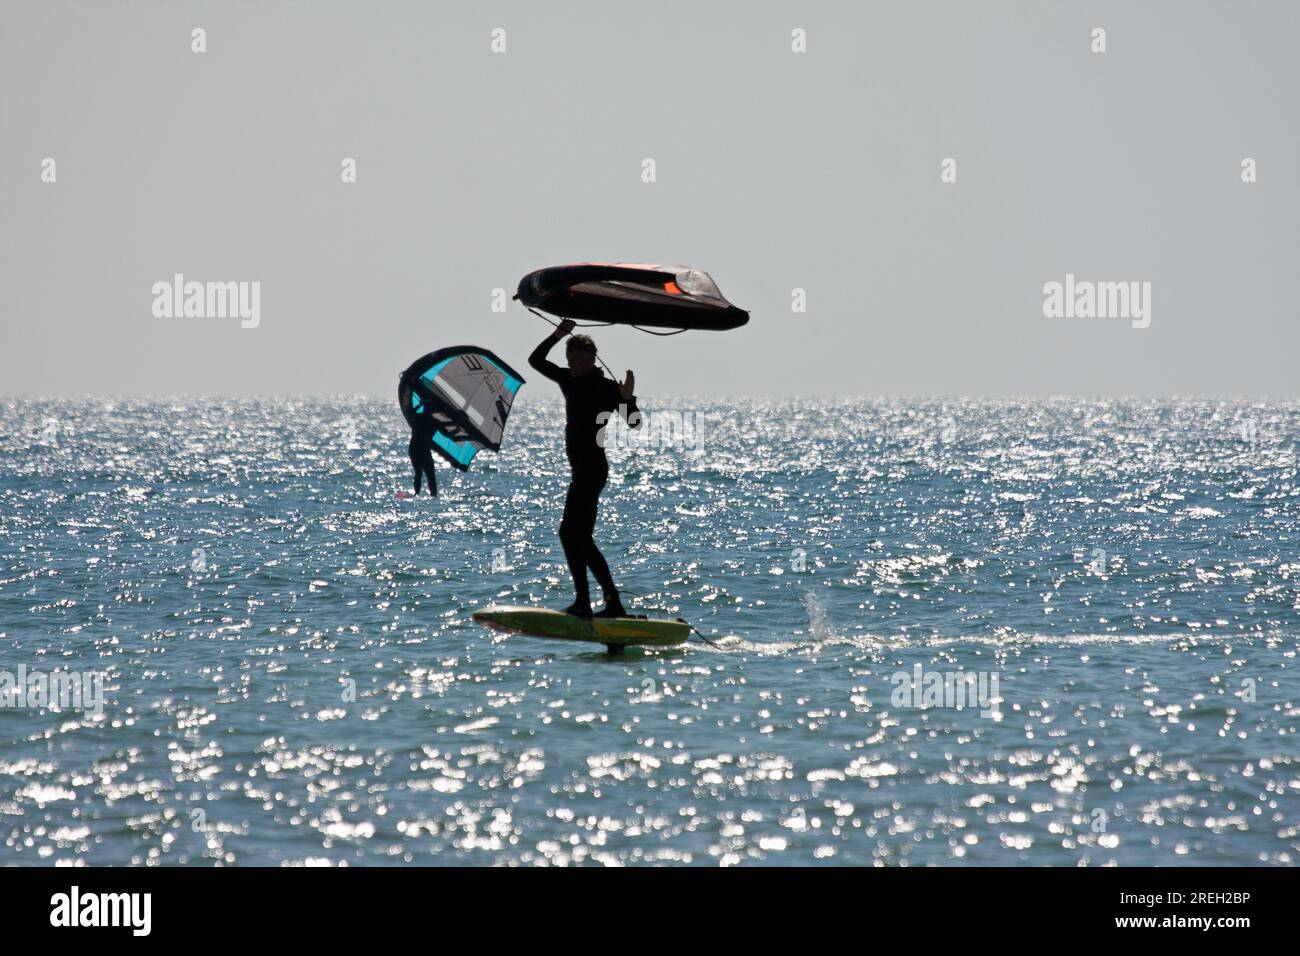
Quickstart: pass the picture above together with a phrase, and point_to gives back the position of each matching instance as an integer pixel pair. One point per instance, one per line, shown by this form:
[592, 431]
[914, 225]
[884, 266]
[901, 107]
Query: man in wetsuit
[587, 394]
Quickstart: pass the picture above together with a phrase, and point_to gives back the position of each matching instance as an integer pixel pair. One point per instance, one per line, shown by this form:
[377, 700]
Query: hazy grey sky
[776, 170]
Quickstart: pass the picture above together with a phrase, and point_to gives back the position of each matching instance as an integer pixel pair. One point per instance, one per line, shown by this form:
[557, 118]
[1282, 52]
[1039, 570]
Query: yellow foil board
[613, 632]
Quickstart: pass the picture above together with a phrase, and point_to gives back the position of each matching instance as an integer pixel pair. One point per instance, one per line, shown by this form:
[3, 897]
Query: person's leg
[575, 534]
[595, 560]
[412, 449]
[613, 600]
[599, 566]
[422, 462]
[430, 475]
[600, 570]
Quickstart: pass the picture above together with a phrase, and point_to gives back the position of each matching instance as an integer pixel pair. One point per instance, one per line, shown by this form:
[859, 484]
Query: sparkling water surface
[291, 675]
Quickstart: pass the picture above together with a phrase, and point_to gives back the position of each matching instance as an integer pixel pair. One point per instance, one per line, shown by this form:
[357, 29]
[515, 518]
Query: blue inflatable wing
[461, 397]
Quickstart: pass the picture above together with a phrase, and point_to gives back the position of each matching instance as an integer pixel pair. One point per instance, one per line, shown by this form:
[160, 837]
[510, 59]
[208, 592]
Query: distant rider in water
[419, 448]
[587, 394]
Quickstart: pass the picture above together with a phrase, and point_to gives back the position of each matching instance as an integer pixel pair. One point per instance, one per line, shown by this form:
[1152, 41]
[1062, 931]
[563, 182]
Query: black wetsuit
[585, 398]
[421, 454]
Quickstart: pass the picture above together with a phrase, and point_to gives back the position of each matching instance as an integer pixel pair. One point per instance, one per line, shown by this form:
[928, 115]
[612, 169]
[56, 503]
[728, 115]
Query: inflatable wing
[461, 397]
[666, 297]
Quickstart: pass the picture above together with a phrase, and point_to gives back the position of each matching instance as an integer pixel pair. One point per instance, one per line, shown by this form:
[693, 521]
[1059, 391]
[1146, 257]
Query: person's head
[580, 350]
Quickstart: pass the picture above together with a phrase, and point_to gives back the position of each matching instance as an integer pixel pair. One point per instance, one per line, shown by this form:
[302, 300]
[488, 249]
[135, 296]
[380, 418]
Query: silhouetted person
[587, 394]
[421, 453]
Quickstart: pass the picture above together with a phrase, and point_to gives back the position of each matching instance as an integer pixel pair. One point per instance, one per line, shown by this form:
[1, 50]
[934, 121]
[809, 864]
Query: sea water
[943, 632]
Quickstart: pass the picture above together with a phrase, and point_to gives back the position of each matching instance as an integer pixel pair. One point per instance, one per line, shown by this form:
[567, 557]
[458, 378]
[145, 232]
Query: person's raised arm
[627, 394]
[538, 359]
